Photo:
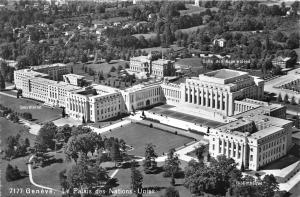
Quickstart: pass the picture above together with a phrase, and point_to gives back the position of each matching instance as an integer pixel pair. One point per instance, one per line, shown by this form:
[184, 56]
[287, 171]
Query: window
[251, 157]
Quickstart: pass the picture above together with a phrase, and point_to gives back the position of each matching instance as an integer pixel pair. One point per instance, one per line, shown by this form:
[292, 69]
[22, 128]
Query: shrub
[12, 173]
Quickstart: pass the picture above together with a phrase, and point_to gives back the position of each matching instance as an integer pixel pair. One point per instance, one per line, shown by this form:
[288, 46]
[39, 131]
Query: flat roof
[224, 73]
[265, 132]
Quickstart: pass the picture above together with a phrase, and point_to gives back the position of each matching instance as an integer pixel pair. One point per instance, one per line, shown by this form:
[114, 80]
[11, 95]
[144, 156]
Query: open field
[104, 67]
[39, 114]
[192, 29]
[150, 180]
[138, 136]
[191, 9]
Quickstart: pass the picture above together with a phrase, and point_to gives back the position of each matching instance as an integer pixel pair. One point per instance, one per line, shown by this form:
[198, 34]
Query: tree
[170, 192]
[46, 135]
[12, 173]
[115, 153]
[171, 166]
[293, 101]
[113, 69]
[23, 62]
[199, 151]
[78, 176]
[136, 179]
[286, 98]
[27, 142]
[215, 178]
[2, 82]
[63, 113]
[279, 98]
[270, 185]
[149, 162]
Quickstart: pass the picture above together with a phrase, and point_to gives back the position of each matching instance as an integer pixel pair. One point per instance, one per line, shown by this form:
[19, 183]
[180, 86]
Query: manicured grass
[150, 180]
[8, 128]
[39, 115]
[51, 172]
[23, 183]
[138, 136]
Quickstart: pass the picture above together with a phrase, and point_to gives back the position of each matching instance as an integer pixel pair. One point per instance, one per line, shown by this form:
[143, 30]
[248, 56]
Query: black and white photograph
[150, 98]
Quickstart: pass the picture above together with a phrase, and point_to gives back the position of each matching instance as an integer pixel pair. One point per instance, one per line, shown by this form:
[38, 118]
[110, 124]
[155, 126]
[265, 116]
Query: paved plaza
[166, 110]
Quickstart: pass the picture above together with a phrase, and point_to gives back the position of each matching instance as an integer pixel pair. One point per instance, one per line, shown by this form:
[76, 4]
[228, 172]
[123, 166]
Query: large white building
[215, 91]
[255, 137]
[142, 95]
[95, 103]
[253, 133]
[54, 71]
[143, 67]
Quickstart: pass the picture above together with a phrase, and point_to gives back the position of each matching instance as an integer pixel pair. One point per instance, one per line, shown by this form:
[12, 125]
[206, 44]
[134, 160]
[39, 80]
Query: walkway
[52, 190]
[33, 127]
[110, 127]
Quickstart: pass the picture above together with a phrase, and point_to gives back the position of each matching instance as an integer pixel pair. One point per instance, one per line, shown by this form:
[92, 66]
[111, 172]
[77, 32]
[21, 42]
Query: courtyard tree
[136, 179]
[199, 151]
[171, 166]
[286, 99]
[150, 156]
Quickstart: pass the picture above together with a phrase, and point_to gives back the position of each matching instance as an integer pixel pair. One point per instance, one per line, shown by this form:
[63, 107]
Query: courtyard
[165, 110]
[138, 136]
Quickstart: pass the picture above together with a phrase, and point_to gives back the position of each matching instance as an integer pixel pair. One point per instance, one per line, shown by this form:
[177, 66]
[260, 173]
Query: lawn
[149, 180]
[51, 172]
[138, 136]
[104, 66]
[39, 114]
[22, 184]
[8, 128]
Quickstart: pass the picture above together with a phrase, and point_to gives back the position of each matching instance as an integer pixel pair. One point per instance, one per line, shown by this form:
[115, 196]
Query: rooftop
[224, 73]
[265, 132]
[48, 66]
[76, 76]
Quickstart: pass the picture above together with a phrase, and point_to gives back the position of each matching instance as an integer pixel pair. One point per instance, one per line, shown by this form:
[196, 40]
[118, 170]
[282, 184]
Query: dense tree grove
[222, 177]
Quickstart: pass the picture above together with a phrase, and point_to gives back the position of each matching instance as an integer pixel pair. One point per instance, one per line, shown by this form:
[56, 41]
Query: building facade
[157, 68]
[255, 137]
[142, 95]
[54, 71]
[215, 91]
